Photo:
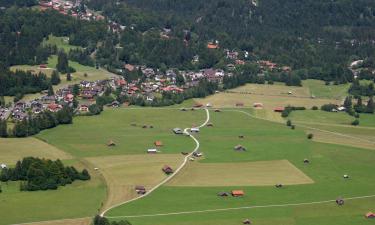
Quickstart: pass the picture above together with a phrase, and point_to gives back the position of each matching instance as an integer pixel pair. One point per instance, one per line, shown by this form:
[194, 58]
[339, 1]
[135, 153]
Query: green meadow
[264, 141]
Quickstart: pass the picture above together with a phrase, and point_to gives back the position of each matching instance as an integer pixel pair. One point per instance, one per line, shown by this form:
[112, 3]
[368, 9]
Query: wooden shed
[111, 143]
[370, 215]
[167, 170]
[158, 143]
[239, 148]
[238, 193]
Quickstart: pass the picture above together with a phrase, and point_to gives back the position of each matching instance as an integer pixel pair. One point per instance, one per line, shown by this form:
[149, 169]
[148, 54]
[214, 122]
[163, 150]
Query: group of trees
[33, 124]
[356, 89]
[42, 174]
[98, 220]
[22, 82]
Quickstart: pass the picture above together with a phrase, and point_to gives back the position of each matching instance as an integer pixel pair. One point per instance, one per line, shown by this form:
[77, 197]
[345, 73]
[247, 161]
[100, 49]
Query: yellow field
[270, 95]
[262, 173]
[123, 173]
[14, 149]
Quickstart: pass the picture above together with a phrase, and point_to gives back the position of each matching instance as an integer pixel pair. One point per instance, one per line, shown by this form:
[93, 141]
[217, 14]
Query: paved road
[197, 145]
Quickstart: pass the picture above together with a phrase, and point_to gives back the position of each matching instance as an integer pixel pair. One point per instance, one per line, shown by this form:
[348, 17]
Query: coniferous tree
[370, 108]
[50, 90]
[62, 62]
[3, 128]
[55, 78]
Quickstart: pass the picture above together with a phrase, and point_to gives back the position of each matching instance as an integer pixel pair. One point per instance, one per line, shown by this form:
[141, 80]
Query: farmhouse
[167, 170]
[238, 193]
[158, 143]
[177, 130]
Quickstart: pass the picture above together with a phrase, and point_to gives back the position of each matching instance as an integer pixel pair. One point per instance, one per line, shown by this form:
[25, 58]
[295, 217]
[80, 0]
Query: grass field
[60, 42]
[80, 199]
[319, 116]
[320, 90]
[88, 136]
[265, 141]
[14, 149]
[270, 95]
[123, 173]
[261, 173]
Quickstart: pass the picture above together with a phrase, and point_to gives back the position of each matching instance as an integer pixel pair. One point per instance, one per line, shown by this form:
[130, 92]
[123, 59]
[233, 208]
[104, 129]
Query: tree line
[42, 174]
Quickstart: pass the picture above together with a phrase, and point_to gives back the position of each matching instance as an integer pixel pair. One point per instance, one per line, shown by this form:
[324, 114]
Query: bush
[293, 127]
[310, 136]
[315, 107]
[289, 123]
[328, 107]
[355, 122]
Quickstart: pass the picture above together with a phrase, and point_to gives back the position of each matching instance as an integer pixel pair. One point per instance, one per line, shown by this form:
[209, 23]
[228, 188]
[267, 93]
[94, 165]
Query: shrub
[315, 107]
[328, 107]
[293, 127]
[310, 136]
[289, 123]
[355, 122]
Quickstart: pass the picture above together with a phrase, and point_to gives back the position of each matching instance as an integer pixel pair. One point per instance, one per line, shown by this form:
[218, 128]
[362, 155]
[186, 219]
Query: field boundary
[186, 131]
[240, 208]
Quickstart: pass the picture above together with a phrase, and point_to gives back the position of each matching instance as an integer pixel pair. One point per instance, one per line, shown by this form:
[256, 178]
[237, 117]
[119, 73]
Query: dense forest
[42, 174]
[320, 36]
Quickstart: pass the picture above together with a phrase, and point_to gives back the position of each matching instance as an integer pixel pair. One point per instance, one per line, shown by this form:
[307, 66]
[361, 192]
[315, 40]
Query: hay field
[123, 173]
[14, 149]
[260, 173]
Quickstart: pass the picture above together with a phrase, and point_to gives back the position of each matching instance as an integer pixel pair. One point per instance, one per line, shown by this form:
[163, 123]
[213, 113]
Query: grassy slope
[320, 90]
[60, 42]
[88, 136]
[267, 141]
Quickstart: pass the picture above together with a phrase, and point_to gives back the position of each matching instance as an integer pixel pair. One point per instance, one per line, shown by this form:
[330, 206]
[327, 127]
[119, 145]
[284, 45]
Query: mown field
[265, 141]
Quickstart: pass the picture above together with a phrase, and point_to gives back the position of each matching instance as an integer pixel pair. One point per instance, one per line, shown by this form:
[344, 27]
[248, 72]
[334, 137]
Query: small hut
[346, 176]
[238, 193]
[217, 110]
[223, 194]
[340, 201]
[306, 161]
[141, 190]
[151, 126]
[241, 136]
[183, 109]
[167, 170]
[144, 126]
[278, 185]
[158, 143]
[210, 125]
[239, 148]
[197, 154]
[247, 221]
[111, 143]
[370, 215]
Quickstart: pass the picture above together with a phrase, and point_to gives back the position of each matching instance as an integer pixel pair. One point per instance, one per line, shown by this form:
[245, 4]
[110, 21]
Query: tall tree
[62, 62]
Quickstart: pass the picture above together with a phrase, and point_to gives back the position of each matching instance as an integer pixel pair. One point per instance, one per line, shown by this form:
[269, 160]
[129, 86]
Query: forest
[42, 174]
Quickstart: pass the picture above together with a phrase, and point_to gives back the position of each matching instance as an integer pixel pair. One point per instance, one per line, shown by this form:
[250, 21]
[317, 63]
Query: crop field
[265, 141]
[261, 173]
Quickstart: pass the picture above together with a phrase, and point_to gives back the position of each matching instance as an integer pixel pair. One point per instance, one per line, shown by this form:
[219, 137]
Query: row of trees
[98, 220]
[42, 174]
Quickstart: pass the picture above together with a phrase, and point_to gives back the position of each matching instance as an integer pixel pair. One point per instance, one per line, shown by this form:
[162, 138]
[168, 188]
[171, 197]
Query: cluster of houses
[69, 8]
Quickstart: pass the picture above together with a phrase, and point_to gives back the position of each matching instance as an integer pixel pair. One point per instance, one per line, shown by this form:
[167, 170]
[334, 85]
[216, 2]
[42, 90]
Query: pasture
[88, 136]
[320, 90]
[60, 42]
[264, 141]
[260, 173]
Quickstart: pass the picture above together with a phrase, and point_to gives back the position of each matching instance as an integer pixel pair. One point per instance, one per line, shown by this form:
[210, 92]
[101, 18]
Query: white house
[3, 166]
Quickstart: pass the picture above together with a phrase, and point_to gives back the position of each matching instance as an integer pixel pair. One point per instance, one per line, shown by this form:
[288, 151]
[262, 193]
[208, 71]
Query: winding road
[197, 145]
